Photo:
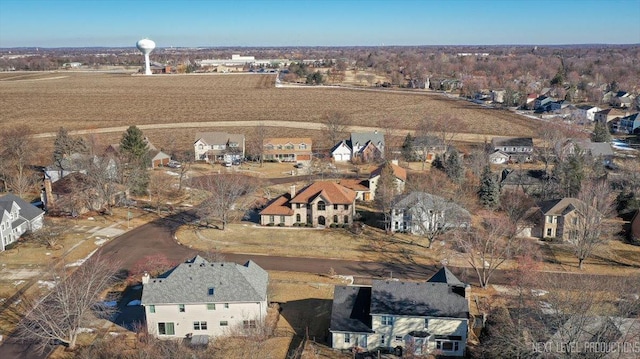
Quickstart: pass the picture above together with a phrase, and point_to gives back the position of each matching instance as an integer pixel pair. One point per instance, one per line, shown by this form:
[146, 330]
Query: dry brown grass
[98, 100]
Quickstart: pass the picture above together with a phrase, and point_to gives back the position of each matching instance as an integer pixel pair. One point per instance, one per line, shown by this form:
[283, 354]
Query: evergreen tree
[133, 145]
[489, 191]
[569, 175]
[453, 166]
[600, 133]
[407, 148]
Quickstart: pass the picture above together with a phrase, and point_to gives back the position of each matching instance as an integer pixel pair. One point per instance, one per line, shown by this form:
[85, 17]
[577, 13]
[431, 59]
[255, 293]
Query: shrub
[270, 224]
[280, 224]
[333, 225]
[308, 225]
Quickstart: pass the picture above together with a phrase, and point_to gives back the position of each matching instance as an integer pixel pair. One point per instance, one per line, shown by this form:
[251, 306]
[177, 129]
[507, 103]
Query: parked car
[174, 164]
[299, 165]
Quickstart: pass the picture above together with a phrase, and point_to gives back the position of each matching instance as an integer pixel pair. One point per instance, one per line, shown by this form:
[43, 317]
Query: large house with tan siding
[202, 298]
[287, 149]
[558, 218]
[320, 204]
[424, 317]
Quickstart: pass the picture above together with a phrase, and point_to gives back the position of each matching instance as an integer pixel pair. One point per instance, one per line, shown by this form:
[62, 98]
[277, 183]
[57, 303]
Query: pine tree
[453, 166]
[407, 149]
[489, 191]
[133, 145]
[600, 133]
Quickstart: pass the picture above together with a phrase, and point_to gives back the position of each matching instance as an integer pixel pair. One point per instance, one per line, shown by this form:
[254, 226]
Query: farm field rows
[98, 100]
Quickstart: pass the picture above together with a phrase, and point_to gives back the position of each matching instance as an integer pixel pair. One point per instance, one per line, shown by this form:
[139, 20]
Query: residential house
[420, 213]
[423, 317]
[607, 115]
[341, 152]
[159, 159]
[202, 298]
[17, 217]
[287, 149]
[541, 102]
[367, 146]
[360, 186]
[519, 149]
[499, 157]
[219, 147]
[497, 96]
[527, 181]
[557, 218]
[426, 148]
[586, 113]
[75, 194]
[399, 173]
[76, 162]
[630, 124]
[319, 204]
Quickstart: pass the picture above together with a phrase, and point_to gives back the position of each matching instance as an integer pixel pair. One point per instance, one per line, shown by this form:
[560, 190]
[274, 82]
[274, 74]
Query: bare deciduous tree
[591, 228]
[335, 124]
[71, 304]
[229, 194]
[50, 233]
[16, 156]
[488, 247]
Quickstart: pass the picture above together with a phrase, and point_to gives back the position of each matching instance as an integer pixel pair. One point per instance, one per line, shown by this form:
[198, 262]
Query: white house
[204, 298]
[587, 112]
[424, 317]
[341, 152]
[16, 218]
[519, 149]
[399, 173]
[219, 147]
[498, 157]
[419, 213]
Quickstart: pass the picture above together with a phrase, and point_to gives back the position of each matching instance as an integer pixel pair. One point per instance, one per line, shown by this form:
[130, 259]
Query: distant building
[287, 149]
[518, 149]
[216, 147]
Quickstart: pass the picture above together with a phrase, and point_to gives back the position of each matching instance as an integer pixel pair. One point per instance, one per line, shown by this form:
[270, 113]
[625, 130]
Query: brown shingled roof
[398, 171]
[330, 191]
[355, 184]
[279, 207]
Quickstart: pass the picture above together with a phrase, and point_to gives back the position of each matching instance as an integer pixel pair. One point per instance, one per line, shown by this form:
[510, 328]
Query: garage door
[337, 157]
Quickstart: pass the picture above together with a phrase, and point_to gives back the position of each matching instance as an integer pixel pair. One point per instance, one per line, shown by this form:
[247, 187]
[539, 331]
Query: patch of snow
[17, 302]
[547, 308]
[539, 292]
[46, 283]
[110, 303]
[134, 303]
[346, 278]
[171, 173]
[47, 254]
[186, 205]
[17, 283]
[101, 241]
[85, 330]
[79, 262]
[91, 219]
[114, 334]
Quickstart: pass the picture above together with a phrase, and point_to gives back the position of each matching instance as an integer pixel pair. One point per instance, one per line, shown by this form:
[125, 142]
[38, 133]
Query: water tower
[146, 46]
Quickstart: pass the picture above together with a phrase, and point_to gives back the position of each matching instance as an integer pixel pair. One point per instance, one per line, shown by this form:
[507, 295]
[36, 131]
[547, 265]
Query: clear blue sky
[57, 23]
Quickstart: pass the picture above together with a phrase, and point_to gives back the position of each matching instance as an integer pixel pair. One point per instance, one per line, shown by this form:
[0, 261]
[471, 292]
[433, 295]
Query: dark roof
[350, 310]
[189, 282]
[522, 177]
[444, 275]
[635, 225]
[426, 299]
[559, 207]
[27, 210]
[362, 138]
[512, 141]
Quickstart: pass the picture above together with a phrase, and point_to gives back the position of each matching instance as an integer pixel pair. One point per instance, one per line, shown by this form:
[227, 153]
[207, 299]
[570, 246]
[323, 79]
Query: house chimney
[293, 190]
[145, 278]
[48, 194]
[394, 162]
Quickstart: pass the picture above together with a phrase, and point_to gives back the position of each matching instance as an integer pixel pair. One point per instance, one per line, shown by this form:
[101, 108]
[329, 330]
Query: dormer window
[210, 291]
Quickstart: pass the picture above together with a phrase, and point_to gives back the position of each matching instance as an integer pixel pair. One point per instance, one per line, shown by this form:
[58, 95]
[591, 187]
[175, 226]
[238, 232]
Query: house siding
[183, 321]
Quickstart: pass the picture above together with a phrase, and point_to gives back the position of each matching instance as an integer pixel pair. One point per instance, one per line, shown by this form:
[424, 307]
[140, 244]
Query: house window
[210, 291]
[181, 308]
[302, 146]
[152, 309]
[335, 219]
[549, 232]
[383, 339]
[226, 305]
[347, 338]
[272, 219]
[335, 207]
[211, 306]
[297, 217]
[346, 207]
[249, 324]
[199, 325]
[224, 323]
[398, 338]
[166, 329]
[395, 225]
[321, 206]
[346, 219]
[574, 220]
[298, 205]
[426, 323]
[387, 320]
[200, 146]
[447, 346]
[281, 219]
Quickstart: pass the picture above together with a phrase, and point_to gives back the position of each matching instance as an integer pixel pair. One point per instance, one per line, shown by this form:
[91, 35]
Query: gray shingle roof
[27, 210]
[512, 141]
[350, 310]
[362, 138]
[418, 201]
[418, 299]
[189, 282]
[444, 275]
